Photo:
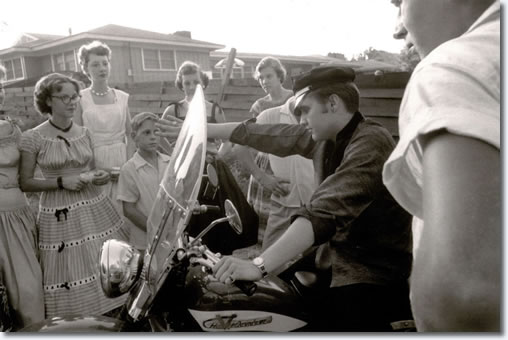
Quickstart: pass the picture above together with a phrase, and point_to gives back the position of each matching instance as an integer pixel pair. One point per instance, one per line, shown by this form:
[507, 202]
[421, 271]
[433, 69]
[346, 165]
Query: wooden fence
[380, 98]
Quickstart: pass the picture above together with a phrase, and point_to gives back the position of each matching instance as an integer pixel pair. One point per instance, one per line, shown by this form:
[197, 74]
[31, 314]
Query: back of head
[95, 47]
[189, 67]
[325, 80]
[273, 63]
[141, 117]
[47, 86]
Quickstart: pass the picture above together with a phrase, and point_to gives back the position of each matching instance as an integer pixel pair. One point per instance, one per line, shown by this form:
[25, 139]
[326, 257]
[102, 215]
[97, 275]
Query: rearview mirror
[233, 216]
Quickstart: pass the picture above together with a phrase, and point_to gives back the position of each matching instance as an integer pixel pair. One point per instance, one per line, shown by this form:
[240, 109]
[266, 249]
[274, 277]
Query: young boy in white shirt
[140, 177]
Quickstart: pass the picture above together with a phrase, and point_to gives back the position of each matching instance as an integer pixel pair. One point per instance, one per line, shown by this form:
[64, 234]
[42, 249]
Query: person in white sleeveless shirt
[445, 169]
[105, 112]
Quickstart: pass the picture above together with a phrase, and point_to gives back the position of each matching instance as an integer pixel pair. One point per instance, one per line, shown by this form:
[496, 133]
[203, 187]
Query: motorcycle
[170, 286]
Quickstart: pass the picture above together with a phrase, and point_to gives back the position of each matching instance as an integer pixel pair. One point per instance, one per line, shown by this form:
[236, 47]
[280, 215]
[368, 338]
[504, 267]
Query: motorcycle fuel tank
[216, 306]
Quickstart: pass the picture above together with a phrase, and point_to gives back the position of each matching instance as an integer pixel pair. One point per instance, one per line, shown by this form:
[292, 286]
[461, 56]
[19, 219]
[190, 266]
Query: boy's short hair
[138, 120]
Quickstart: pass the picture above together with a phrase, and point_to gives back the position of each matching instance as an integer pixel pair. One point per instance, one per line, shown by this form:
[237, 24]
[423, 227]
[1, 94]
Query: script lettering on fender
[230, 322]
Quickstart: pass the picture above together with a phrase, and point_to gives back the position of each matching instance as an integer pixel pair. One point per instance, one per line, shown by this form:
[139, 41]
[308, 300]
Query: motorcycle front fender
[77, 324]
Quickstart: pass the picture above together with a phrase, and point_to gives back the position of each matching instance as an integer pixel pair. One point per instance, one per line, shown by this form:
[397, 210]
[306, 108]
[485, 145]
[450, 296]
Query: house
[137, 55]
[245, 64]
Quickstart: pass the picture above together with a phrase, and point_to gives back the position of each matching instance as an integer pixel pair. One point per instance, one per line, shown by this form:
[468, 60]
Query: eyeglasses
[67, 100]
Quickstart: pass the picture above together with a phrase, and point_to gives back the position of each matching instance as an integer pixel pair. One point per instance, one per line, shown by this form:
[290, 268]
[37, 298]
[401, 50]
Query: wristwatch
[260, 263]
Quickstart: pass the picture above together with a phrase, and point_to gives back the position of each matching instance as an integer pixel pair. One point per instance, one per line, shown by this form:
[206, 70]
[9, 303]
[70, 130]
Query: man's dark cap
[320, 76]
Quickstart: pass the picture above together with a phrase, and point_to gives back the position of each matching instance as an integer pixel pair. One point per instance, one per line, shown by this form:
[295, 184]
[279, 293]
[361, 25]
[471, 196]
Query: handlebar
[247, 287]
[204, 208]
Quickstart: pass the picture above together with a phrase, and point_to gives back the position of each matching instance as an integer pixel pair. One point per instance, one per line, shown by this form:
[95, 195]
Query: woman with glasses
[105, 112]
[75, 216]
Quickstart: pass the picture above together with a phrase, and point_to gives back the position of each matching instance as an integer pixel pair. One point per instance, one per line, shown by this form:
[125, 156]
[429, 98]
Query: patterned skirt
[72, 228]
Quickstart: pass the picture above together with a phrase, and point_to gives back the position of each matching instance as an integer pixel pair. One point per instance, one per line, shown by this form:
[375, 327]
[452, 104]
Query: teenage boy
[446, 168]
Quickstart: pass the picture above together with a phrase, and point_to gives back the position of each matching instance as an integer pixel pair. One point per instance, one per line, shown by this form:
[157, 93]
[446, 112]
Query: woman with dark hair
[190, 75]
[105, 112]
[221, 239]
[75, 216]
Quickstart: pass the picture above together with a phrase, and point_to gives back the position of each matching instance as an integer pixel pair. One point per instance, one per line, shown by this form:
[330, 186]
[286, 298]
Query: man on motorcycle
[351, 214]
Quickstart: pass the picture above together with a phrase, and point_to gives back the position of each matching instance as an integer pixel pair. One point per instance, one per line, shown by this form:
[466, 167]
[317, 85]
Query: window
[64, 61]
[14, 69]
[70, 64]
[237, 72]
[158, 59]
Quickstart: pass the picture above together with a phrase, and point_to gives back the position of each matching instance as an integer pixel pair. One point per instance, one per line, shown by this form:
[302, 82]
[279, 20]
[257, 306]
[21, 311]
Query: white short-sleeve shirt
[138, 183]
[456, 88]
[299, 171]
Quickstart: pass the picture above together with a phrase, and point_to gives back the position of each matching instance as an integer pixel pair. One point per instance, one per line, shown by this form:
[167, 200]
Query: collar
[493, 10]
[350, 127]
[140, 161]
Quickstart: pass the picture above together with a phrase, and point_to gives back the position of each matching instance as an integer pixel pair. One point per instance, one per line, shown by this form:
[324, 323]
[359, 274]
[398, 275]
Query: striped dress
[72, 227]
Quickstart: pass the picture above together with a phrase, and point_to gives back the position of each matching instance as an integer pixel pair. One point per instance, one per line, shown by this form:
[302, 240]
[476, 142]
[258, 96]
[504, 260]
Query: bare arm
[29, 184]
[165, 143]
[134, 215]
[170, 128]
[456, 279]
[131, 146]
[272, 183]
[298, 238]
[220, 117]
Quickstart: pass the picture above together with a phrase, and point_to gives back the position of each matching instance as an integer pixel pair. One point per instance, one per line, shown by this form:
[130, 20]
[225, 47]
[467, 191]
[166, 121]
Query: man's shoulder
[476, 53]
[372, 132]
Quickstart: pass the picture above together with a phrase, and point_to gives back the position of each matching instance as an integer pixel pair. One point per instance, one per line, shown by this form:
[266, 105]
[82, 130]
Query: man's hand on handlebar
[230, 269]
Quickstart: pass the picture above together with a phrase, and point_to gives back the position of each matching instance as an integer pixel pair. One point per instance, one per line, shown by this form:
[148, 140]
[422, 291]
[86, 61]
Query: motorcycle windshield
[178, 192]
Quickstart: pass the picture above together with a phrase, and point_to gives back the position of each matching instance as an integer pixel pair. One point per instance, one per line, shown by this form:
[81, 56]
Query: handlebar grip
[204, 208]
[212, 209]
[247, 287]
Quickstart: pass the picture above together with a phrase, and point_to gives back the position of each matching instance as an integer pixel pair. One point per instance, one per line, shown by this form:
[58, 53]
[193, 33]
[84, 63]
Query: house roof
[258, 56]
[363, 66]
[36, 41]
[129, 32]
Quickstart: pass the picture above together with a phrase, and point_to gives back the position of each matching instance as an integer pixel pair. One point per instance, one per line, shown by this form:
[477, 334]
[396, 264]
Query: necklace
[100, 94]
[59, 128]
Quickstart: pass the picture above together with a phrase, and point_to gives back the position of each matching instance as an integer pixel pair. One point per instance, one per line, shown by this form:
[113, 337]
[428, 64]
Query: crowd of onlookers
[410, 230]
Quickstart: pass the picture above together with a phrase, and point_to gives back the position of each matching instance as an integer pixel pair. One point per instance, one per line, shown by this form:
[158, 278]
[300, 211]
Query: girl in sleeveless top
[105, 112]
[189, 75]
[20, 271]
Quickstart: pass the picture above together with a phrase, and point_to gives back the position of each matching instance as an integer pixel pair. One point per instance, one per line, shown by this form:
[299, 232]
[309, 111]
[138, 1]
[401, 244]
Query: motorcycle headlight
[119, 264]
